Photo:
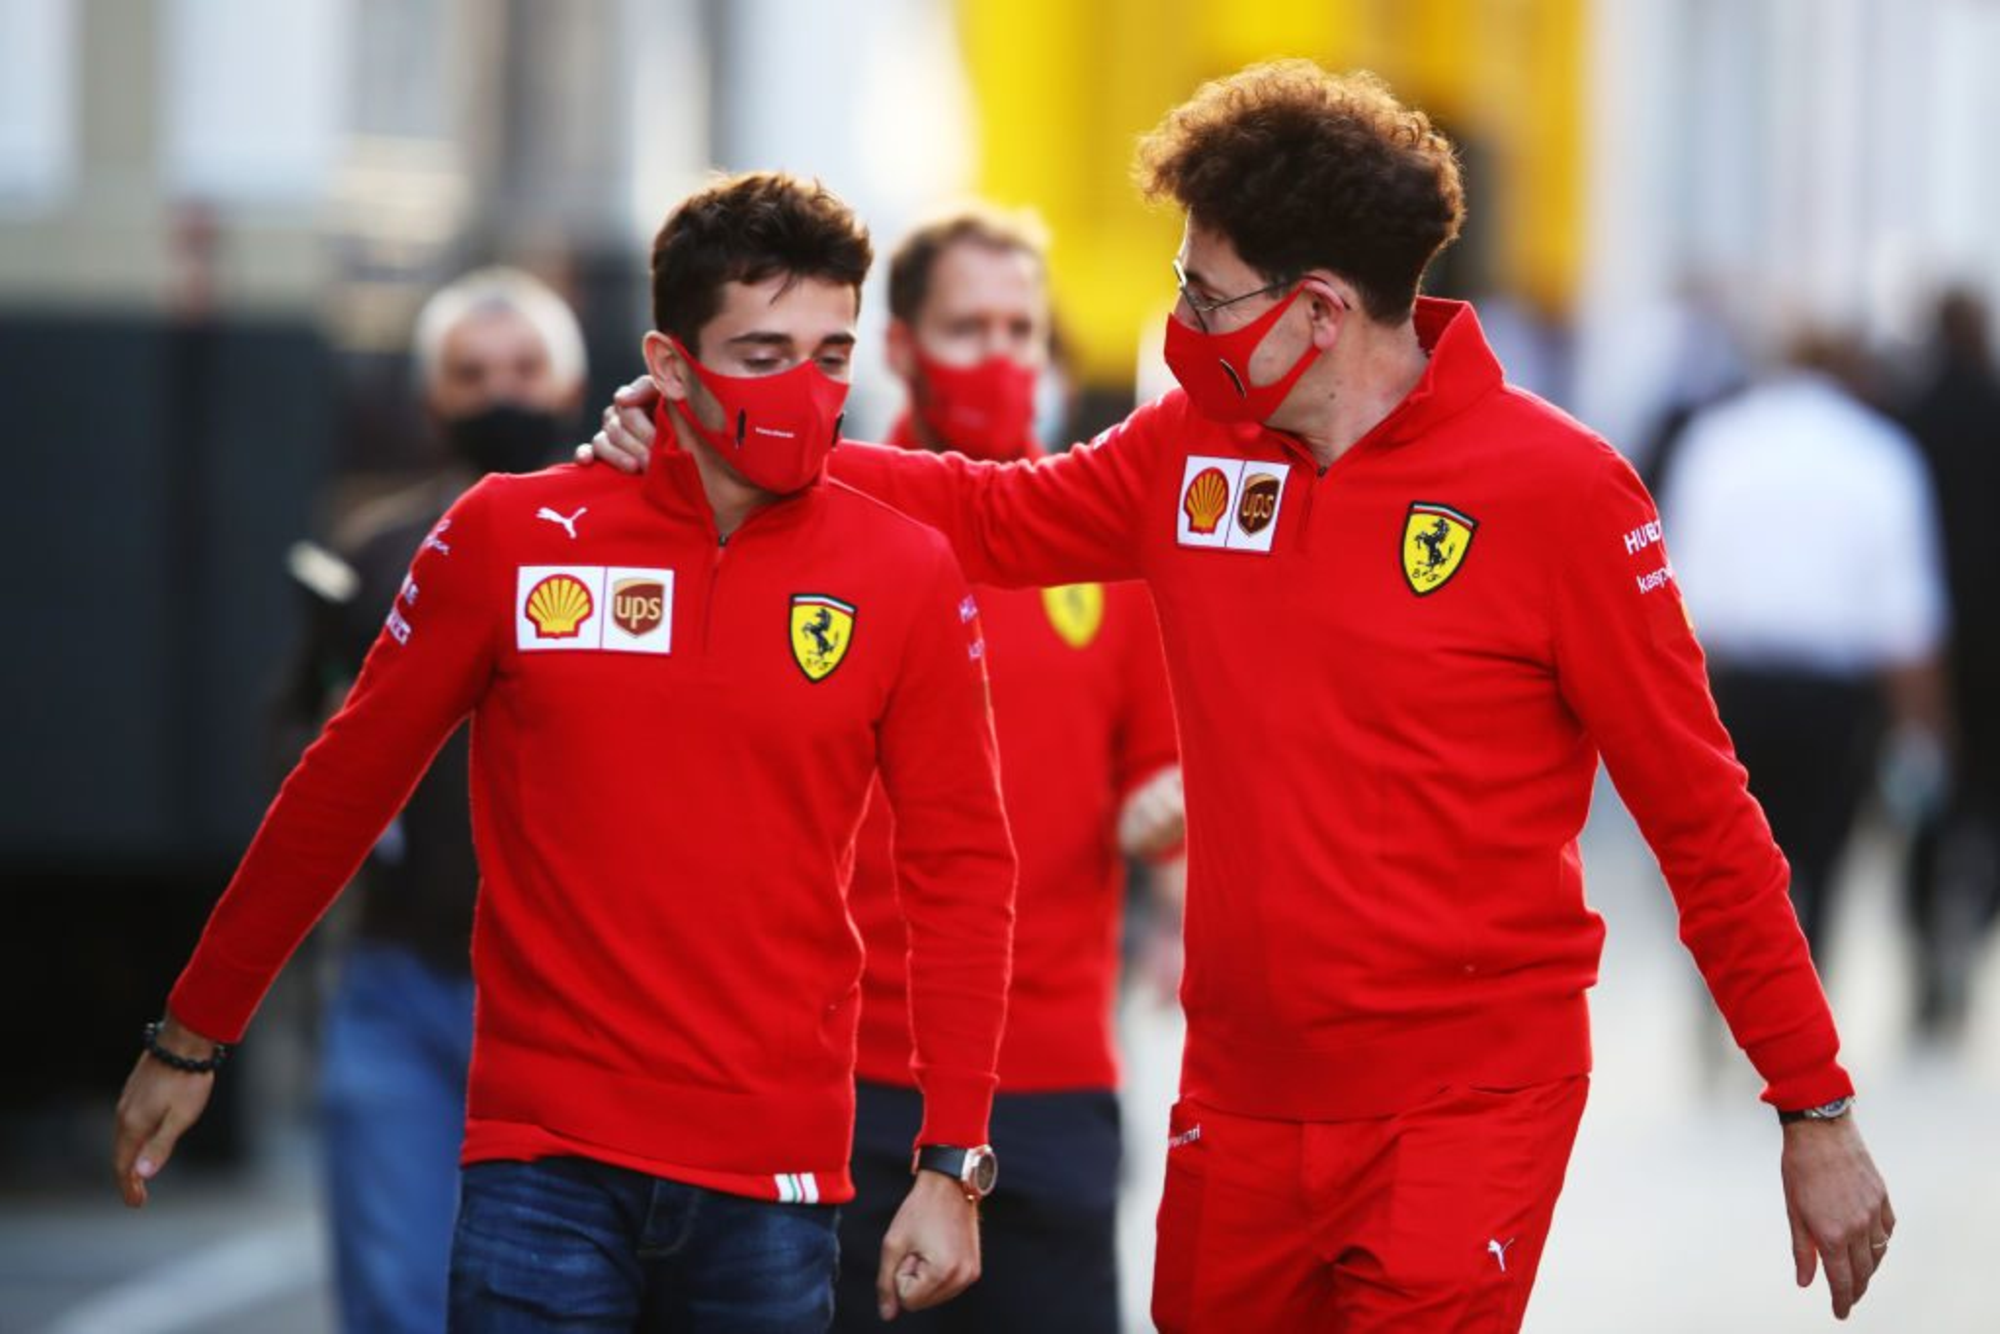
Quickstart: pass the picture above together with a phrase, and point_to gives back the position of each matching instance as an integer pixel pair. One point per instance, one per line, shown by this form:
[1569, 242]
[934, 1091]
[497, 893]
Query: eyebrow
[772, 338]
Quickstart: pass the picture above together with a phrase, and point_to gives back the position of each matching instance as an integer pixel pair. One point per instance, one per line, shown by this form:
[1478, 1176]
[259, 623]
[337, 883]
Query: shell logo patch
[595, 608]
[1207, 497]
[557, 605]
[1435, 540]
[1076, 611]
[1248, 493]
[822, 630]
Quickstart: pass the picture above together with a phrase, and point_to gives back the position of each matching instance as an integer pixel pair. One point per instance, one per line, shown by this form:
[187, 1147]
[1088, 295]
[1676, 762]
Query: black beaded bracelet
[184, 1064]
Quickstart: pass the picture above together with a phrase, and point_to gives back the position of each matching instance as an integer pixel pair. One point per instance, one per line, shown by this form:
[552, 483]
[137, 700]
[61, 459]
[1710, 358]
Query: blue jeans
[571, 1244]
[397, 1041]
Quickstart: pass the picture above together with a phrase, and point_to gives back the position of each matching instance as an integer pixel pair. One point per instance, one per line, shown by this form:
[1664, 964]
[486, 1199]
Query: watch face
[982, 1171]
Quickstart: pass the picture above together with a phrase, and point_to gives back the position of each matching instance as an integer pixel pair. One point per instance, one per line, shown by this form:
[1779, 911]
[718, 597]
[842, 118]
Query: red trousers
[1430, 1221]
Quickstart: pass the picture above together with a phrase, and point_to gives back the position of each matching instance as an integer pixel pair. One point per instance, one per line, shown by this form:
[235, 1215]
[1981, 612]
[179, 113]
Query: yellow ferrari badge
[822, 628]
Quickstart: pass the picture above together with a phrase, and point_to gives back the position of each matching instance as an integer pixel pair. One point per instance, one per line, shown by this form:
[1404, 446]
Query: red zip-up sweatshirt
[1394, 681]
[672, 741]
[1083, 717]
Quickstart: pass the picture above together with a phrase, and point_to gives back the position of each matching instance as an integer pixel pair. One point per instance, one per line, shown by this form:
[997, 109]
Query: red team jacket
[1083, 717]
[1394, 682]
[672, 742]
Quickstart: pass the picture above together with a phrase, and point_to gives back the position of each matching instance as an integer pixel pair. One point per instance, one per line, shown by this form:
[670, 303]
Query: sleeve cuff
[956, 1106]
[1797, 1092]
[217, 1000]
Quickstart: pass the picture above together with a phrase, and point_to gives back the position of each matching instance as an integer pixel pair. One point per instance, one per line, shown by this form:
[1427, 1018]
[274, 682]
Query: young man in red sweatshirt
[1088, 769]
[661, 1095]
[1407, 608]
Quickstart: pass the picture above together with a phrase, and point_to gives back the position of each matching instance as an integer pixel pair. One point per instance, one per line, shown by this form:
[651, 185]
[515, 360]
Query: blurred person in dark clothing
[499, 362]
[1954, 879]
[1806, 538]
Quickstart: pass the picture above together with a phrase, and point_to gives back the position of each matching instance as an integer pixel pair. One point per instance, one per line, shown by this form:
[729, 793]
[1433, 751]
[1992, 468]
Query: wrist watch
[975, 1169]
[1826, 1111]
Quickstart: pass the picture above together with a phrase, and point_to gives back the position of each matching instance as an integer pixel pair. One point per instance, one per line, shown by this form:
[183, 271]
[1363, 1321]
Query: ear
[1330, 303]
[663, 362]
[902, 352]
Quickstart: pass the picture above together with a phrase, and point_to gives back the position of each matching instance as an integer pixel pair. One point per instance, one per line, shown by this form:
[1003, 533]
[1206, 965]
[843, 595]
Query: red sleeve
[1068, 519]
[1147, 740]
[429, 664]
[954, 860]
[1629, 666]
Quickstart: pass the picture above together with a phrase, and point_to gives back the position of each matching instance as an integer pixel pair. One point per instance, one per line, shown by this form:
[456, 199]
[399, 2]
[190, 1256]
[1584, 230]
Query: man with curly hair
[1407, 607]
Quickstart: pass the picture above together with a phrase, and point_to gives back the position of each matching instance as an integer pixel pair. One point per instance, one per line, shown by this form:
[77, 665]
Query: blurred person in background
[1954, 875]
[1701, 361]
[1807, 542]
[1086, 735]
[1406, 609]
[661, 1085]
[499, 367]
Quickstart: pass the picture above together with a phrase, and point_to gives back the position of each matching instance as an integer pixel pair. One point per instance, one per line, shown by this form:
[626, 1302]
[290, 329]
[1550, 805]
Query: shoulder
[1170, 417]
[1552, 452]
[891, 534]
[527, 503]
[562, 484]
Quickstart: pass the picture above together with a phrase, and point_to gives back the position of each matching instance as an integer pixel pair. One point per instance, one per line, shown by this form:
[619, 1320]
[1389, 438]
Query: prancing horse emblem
[822, 628]
[1435, 539]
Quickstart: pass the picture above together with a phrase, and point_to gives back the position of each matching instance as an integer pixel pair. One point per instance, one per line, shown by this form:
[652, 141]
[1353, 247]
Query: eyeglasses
[1203, 309]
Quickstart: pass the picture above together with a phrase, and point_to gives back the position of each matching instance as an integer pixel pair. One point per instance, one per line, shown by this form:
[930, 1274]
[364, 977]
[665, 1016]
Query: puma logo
[1498, 1251]
[568, 521]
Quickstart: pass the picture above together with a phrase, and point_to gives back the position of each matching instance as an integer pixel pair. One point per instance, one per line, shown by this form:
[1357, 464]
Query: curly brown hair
[744, 229]
[1305, 169]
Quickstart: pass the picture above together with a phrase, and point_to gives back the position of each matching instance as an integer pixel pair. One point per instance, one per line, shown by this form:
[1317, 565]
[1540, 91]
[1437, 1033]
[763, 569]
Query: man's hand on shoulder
[625, 439]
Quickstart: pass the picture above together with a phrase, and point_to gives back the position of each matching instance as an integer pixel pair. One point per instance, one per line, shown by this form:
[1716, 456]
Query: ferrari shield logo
[822, 628]
[1076, 611]
[1435, 539]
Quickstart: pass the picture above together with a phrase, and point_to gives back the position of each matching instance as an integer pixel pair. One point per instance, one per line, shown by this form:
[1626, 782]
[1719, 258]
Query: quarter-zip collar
[1461, 370]
[673, 484]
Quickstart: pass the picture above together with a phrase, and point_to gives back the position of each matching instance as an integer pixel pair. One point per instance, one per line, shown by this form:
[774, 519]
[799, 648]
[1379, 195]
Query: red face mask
[777, 429]
[1214, 369]
[985, 410]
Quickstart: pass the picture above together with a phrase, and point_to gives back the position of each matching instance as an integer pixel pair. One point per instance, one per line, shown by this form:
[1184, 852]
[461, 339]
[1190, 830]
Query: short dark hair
[916, 257]
[744, 229]
[1305, 169]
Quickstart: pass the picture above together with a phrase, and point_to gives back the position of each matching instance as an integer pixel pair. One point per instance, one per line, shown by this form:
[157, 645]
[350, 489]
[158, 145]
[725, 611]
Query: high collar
[903, 435]
[673, 484]
[1460, 371]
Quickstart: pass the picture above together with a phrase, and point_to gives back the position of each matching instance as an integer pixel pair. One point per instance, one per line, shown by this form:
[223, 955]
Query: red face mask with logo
[985, 410]
[1214, 368]
[776, 429]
